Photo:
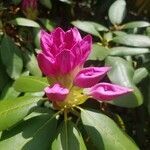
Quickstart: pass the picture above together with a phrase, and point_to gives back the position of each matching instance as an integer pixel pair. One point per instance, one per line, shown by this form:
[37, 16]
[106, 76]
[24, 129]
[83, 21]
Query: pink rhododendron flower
[106, 91]
[29, 8]
[62, 52]
[61, 60]
[88, 77]
[56, 92]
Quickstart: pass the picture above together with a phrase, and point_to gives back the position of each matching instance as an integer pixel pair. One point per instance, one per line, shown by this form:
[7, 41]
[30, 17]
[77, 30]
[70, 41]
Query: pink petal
[86, 46]
[47, 44]
[90, 76]
[46, 64]
[58, 36]
[106, 91]
[82, 49]
[65, 61]
[56, 92]
[72, 36]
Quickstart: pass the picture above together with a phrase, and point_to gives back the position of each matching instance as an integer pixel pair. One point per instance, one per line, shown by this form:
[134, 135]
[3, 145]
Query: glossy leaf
[11, 57]
[104, 132]
[9, 92]
[89, 27]
[139, 75]
[66, 1]
[46, 3]
[119, 33]
[33, 133]
[98, 52]
[30, 84]
[13, 111]
[122, 74]
[69, 138]
[24, 22]
[128, 51]
[32, 65]
[136, 24]
[133, 40]
[117, 11]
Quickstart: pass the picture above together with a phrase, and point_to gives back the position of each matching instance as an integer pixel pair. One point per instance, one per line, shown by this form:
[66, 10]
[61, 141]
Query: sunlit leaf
[89, 27]
[117, 11]
[98, 52]
[136, 24]
[30, 84]
[24, 22]
[133, 40]
[13, 111]
[128, 51]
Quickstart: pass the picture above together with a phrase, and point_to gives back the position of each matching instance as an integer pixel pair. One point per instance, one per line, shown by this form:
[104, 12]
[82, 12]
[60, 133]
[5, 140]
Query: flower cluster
[29, 8]
[61, 60]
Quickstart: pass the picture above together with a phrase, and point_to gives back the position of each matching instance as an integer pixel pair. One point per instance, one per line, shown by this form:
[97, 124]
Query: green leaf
[133, 40]
[9, 92]
[98, 52]
[46, 3]
[69, 138]
[128, 51]
[122, 74]
[30, 84]
[139, 75]
[11, 57]
[13, 111]
[66, 1]
[104, 132]
[117, 12]
[16, 2]
[24, 22]
[4, 79]
[35, 133]
[89, 27]
[119, 33]
[48, 24]
[36, 36]
[136, 24]
[32, 65]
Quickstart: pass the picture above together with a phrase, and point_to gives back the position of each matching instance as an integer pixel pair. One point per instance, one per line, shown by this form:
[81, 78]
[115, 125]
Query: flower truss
[61, 61]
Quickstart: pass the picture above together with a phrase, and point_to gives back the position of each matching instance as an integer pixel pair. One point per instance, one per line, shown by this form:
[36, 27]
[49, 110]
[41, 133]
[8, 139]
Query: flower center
[74, 98]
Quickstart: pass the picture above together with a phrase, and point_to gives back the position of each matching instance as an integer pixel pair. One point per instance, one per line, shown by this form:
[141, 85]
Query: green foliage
[24, 22]
[104, 132]
[13, 111]
[68, 138]
[122, 73]
[36, 132]
[11, 57]
[133, 40]
[117, 12]
[30, 84]
[28, 122]
[89, 27]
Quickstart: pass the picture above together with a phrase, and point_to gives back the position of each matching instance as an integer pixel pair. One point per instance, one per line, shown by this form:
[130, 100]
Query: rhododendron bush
[70, 83]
